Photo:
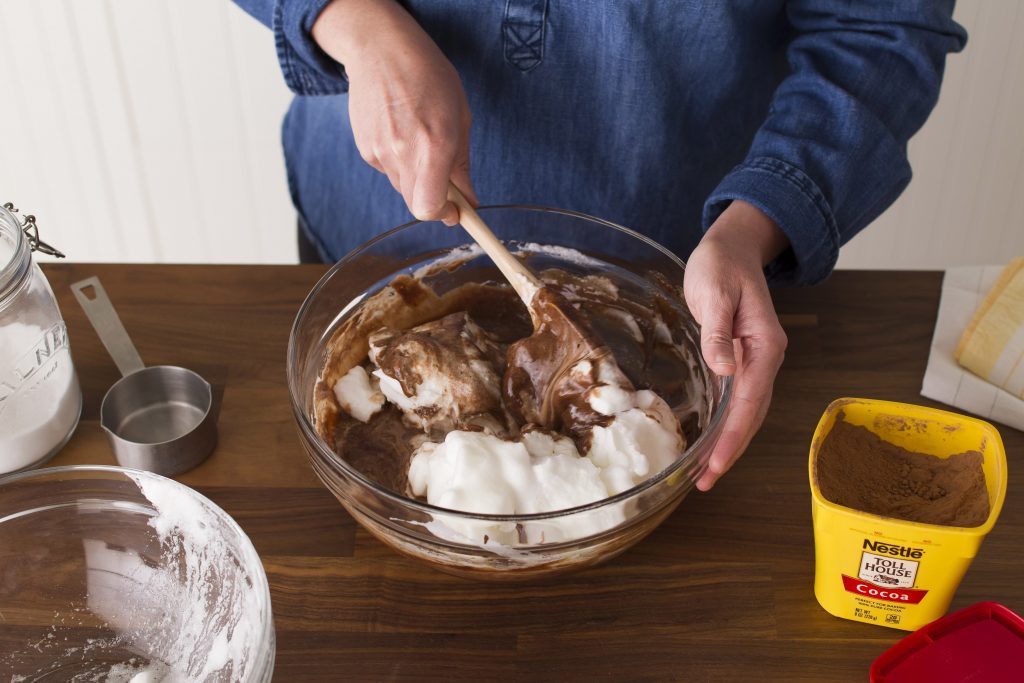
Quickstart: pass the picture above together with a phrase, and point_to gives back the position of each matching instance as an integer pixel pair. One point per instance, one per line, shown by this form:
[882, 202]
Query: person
[751, 137]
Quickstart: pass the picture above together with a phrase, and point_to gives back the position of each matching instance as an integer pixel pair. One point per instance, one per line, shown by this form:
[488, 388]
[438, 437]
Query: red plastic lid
[983, 642]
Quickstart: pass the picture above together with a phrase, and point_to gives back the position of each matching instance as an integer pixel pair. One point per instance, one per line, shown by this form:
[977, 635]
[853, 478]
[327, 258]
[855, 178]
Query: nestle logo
[894, 550]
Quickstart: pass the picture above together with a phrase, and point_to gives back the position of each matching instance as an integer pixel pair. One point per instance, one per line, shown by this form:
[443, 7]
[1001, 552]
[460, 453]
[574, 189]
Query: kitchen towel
[993, 344]
[963, 291]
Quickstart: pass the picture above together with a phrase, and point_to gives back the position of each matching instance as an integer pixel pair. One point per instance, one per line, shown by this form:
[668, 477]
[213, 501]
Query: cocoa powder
[859, 470]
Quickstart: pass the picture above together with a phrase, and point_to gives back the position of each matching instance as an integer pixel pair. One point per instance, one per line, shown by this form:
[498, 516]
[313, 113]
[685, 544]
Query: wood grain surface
[722, 591]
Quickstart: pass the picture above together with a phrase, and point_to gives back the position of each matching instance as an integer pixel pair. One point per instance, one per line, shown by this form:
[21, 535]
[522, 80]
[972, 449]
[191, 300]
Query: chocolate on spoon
[548, 373]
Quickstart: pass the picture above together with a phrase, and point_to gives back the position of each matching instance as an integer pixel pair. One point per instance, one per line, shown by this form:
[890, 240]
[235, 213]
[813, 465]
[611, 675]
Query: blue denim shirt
[651, 114]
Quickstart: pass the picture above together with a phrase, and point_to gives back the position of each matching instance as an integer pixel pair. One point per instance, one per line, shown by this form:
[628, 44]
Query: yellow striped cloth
[992, 346]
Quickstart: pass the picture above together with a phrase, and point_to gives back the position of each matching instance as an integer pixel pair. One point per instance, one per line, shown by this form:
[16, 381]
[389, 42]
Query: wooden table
[722, 591]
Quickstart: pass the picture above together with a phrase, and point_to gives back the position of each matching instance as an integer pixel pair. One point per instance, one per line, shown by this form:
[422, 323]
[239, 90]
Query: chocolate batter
[453, 347]
[859, 470]
[645, 337]
[380, 449]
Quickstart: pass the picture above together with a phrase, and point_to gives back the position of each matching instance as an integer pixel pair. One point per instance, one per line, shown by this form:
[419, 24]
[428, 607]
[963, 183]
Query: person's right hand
[408, 110]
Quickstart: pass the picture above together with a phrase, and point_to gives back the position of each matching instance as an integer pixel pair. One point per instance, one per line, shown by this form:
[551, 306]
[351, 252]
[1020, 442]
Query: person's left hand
[727, 293]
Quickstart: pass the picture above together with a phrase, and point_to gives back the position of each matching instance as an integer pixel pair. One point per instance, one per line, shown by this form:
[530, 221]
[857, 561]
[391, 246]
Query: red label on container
[905, 596]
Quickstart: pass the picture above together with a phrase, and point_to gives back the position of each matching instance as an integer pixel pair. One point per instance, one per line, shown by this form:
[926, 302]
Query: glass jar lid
[31, 231]
[19, 237]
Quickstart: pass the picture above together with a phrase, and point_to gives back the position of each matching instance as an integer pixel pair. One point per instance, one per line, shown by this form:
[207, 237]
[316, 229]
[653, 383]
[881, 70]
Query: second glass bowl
[113, 574]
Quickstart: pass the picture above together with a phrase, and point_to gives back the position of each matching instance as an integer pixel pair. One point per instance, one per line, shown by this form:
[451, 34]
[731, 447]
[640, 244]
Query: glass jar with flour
[40, 400]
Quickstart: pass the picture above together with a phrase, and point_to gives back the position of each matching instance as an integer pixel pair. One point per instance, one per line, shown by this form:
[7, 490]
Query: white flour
[39, 394]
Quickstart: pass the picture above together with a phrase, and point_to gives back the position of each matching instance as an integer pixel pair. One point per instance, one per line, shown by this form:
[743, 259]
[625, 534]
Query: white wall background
[148, 131]
[145, 130]
[965, 205]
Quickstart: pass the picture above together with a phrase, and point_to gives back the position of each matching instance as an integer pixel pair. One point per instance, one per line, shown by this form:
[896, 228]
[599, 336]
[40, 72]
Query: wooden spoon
[523, 281]
[538, 386]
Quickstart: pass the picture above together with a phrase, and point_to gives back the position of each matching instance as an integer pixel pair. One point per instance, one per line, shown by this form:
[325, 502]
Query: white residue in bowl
[212, 623]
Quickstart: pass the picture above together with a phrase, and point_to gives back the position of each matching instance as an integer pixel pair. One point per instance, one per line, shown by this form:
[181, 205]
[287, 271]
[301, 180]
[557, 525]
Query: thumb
[716, 325]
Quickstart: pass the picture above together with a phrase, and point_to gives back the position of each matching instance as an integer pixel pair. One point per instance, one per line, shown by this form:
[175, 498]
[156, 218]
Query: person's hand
[407, 107]
[726, 291]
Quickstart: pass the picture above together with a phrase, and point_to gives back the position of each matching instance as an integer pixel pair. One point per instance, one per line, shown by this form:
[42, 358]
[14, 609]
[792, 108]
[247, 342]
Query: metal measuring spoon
[158, 418]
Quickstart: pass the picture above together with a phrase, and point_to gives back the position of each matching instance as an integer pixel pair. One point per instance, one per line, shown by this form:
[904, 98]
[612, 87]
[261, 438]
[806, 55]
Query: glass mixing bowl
[577, 537]
[122, 575]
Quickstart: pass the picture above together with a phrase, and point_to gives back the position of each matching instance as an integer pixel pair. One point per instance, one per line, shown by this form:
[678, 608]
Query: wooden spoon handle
[515, 271]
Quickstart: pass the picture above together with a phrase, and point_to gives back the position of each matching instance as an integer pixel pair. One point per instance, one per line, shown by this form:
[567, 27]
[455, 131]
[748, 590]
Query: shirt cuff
[307, 69]
[796, 204]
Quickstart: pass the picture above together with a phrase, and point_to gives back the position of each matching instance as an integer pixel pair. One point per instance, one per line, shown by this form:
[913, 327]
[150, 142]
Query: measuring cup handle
[107, 324]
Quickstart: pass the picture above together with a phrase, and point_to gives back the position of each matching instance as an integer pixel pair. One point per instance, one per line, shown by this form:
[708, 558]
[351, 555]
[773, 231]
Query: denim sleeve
[307, 69]
[831, 154]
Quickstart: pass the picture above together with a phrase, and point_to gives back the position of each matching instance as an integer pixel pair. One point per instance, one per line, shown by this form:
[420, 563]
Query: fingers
[424, 184]
[432, 169]
[762, 356]
[460, 176]
[421, 176]
[716, 318]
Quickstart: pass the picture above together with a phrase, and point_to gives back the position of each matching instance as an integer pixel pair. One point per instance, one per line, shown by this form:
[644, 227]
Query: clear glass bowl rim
[312, 437]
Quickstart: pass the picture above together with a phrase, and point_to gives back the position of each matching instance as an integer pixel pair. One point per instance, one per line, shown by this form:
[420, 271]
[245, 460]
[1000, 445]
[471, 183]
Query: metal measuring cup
[158, 418]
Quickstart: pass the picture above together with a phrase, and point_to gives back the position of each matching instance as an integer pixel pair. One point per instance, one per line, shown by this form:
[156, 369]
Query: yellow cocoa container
[888, 571]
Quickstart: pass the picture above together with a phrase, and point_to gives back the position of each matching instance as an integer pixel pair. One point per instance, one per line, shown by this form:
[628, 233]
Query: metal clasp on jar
[31, 230]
